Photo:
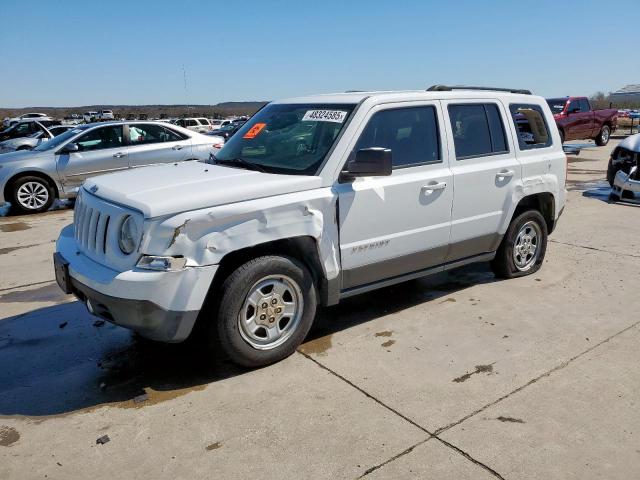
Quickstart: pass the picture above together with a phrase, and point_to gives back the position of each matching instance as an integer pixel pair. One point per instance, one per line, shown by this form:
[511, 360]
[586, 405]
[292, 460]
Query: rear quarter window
[531, 126]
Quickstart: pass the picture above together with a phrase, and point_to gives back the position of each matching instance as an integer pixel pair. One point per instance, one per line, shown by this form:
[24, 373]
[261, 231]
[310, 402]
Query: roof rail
[448, 88]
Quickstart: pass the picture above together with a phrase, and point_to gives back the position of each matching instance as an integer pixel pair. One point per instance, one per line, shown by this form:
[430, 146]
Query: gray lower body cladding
[420, 261]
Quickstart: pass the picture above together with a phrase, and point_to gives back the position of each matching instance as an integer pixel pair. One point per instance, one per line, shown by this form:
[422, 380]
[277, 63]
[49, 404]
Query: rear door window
[584, 105]
[141, 134]
[531, 126]
[478, 130]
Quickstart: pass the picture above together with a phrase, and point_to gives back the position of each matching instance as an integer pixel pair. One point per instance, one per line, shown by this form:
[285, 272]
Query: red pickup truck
[576, 119]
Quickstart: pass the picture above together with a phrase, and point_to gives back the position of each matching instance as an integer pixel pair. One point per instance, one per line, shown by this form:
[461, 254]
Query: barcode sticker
[336, 116]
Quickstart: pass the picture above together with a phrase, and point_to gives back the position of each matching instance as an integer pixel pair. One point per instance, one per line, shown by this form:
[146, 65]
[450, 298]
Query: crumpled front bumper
[161, 306]
[623, 182]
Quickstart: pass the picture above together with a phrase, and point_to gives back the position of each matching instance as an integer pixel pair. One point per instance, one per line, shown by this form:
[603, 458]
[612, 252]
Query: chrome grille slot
[93, 230]
[101, 234]
[84, 241]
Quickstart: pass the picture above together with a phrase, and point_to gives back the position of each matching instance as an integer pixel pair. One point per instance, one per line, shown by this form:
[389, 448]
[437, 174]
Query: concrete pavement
[454, 376]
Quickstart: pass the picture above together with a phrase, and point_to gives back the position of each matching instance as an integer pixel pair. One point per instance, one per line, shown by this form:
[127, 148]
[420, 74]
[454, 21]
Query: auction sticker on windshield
[254, 131]
[337, 116]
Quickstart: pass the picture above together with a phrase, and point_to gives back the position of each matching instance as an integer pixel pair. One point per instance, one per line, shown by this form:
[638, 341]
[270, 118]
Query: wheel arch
[29, 173]
[543, 202]
[302, 248]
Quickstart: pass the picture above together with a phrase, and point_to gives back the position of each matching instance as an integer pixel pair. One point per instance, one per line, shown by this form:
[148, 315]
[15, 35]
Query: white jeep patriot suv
[314, 200]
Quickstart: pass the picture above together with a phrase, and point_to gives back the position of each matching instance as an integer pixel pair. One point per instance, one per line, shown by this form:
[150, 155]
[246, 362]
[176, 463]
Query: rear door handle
[118, 155]
[505, 174]
[177, 147]
[427, 189]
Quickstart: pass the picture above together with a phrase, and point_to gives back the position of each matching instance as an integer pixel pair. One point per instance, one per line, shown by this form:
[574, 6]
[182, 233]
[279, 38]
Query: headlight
[129, 235]
[164, 264]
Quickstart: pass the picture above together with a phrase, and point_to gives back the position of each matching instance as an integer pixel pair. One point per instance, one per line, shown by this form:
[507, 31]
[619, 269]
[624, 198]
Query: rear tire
[603, 137]
[24, 147]
[30, 194]
[266, 309]
[523, 247]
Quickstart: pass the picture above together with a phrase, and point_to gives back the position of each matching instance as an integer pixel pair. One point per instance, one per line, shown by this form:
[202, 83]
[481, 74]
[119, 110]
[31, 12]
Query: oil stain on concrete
[214, 446]
[479, 369]
[318, 346]
[510, 419]
[8, 436]
[4, 251]
[388, 343]
[386, 333]
[14, 227]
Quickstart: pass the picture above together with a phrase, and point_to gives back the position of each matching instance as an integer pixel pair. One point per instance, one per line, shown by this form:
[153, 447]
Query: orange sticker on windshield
[254, 131]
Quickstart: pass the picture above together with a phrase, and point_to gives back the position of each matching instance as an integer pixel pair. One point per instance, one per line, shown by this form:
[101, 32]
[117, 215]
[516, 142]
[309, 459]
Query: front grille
[96, 223]
[91, 229]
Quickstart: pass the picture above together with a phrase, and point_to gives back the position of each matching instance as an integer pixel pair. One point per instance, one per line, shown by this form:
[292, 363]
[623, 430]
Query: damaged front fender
[205, 236]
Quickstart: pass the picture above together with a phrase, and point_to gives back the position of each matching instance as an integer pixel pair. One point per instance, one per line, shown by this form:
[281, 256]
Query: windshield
[556, 104]
[291, 138]
[55, 142]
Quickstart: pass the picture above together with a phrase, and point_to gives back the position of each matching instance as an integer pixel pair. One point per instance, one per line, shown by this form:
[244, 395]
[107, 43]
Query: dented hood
[632, 143]
[174, 188]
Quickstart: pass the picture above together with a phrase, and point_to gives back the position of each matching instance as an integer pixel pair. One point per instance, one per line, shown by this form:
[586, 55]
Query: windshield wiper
[242, 162]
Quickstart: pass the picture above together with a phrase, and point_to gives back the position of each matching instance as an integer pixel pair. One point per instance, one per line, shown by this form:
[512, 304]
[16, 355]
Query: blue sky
[72, 53]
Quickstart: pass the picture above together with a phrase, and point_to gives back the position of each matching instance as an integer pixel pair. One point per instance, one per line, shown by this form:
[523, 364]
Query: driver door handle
[118, 155]
[427, 189]
[505, 174]
[177, 147]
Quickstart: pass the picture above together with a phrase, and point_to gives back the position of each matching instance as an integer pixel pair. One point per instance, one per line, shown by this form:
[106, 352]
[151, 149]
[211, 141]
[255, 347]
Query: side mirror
[632, 172]
[370, 162]
[69, 148]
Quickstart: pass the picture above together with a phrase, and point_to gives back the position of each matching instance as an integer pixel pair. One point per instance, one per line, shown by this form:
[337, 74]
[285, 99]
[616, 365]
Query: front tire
[266, 309]
[31, 194]
[603, 137]
[523, 247]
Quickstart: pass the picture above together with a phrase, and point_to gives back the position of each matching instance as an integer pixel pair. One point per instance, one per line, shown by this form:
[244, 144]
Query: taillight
[218, 145]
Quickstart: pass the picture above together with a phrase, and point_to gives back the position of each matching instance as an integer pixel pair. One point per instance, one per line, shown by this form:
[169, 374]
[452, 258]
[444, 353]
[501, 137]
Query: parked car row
[24, 128]
[27, 117]
[31, 179]
[34, 139]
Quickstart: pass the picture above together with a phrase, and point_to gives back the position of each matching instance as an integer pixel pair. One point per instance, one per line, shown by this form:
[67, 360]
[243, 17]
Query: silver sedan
[32, 180]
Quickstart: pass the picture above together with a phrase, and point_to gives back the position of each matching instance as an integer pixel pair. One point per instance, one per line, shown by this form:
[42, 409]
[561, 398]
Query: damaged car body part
[316, 199]
[624, 157]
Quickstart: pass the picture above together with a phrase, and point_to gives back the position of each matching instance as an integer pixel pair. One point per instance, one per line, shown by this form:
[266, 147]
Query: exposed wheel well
[10, 182]
[542, 202]
[303, 249]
